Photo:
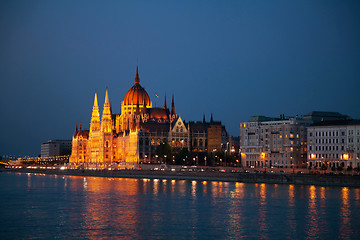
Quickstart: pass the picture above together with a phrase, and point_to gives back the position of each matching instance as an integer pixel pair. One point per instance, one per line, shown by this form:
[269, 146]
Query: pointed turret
[95, 116]
[95, 101]
[204, 118]
[165, 106]
[106, 120]
[172, 106]
[80, 130]
[137, 78]
[211, 119]
[76, 131]
[106, 97]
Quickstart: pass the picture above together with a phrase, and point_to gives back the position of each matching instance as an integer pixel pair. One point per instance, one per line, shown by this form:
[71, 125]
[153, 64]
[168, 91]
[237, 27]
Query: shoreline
[270, 178]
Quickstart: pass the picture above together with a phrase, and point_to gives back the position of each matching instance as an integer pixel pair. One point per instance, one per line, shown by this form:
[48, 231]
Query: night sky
[234, 59]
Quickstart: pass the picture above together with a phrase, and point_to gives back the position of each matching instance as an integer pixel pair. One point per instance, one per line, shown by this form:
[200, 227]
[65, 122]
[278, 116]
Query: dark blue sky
[232, 58]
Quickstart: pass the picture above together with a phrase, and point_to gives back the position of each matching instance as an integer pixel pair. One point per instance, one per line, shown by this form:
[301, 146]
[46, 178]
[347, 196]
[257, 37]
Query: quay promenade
[206, 175]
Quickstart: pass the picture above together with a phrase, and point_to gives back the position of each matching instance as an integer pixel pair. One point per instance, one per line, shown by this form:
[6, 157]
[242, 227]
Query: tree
[182, 157]
[164, 152]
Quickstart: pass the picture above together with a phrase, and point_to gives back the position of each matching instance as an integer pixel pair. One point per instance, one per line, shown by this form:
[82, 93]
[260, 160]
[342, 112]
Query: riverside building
[334, 144]
[273, 142]
[134, 135]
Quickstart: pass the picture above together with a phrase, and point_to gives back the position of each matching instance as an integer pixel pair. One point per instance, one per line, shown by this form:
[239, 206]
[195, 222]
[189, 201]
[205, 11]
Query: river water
[67, 207]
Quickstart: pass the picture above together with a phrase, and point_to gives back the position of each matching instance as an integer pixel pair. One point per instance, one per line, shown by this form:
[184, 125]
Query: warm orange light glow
[262, 155]
[346, 156]
[313, 156]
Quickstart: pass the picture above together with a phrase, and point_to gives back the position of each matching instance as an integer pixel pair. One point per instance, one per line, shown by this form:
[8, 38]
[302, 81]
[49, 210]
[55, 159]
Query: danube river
[66, 207]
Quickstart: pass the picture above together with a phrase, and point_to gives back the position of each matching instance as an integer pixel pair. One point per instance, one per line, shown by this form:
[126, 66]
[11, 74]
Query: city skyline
[233, 60]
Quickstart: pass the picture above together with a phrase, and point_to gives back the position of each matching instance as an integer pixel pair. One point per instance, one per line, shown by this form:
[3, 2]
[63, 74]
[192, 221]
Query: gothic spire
[106, 115]
[211, 119]
[95, 101]
[165, 103]
[95, 111]
[76, 130]
[137, 78]
[95, 116]
[172, 106]
[204, 118]
[106, 98]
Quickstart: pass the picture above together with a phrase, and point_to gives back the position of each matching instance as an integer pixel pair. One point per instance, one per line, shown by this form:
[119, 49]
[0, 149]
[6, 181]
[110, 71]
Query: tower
[94, 134]
[106, 136]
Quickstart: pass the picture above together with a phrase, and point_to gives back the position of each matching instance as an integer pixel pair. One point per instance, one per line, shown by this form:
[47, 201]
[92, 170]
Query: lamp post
[225, 157]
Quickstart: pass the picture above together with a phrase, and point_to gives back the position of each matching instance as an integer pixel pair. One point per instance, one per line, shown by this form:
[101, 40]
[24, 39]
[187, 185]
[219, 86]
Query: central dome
[137, 94]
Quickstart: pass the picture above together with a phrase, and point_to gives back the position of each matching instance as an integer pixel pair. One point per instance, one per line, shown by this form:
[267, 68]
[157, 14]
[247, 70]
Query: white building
[334, 144]
[273, 142]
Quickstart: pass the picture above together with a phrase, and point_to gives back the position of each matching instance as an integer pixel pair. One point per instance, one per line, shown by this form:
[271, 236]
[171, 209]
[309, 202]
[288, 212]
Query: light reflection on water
[108, 208]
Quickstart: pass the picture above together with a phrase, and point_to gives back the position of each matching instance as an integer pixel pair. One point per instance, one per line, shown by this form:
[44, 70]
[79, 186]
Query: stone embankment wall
[273, 178]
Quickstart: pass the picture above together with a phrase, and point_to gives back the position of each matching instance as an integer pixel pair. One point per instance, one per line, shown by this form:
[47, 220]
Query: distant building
[334, 144]
[54, 148]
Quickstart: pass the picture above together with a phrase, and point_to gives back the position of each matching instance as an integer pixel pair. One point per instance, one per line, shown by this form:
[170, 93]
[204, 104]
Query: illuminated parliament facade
[133, 136]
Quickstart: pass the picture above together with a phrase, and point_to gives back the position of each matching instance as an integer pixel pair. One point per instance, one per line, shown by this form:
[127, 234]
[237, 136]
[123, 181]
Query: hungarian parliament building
[134, 135]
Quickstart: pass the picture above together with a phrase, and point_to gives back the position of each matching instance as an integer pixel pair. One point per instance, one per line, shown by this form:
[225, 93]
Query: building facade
[334, 144]
[134, 135]
[273, 142]
[55, 148]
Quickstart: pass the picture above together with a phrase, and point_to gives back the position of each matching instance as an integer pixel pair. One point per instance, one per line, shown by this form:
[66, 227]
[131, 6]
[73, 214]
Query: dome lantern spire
[137, 78]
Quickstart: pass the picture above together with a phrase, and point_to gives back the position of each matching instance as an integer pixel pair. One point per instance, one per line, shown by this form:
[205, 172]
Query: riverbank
[273, 178]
